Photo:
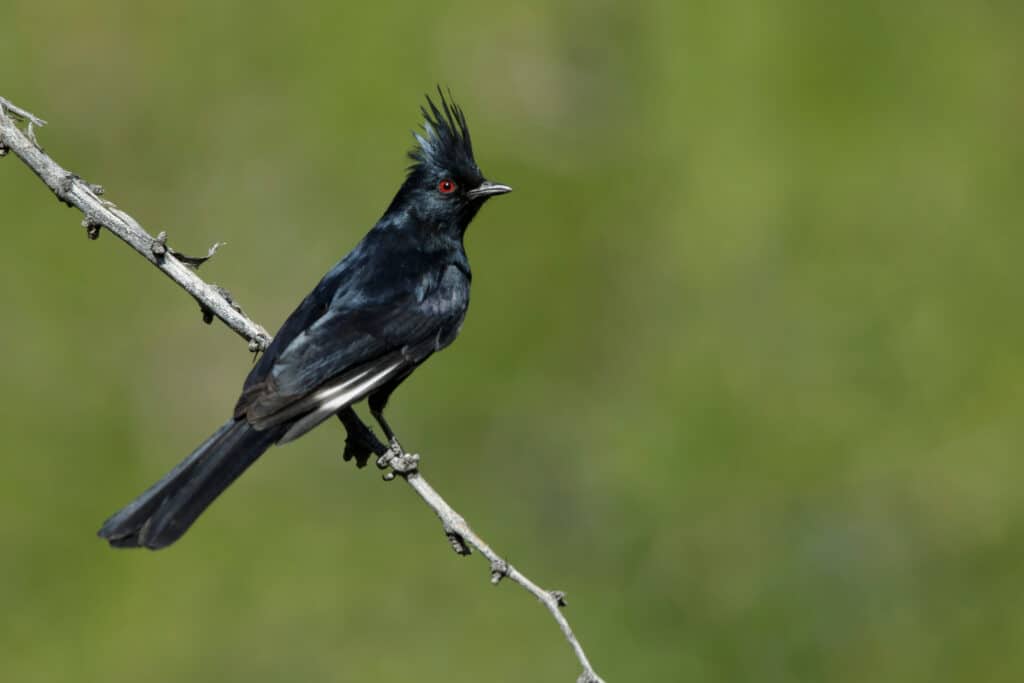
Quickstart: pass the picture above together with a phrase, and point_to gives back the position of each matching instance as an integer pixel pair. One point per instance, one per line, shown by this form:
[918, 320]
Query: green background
[743, 373]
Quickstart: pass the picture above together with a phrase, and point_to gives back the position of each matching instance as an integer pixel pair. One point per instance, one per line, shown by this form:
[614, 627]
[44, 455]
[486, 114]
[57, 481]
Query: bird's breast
[450, 303]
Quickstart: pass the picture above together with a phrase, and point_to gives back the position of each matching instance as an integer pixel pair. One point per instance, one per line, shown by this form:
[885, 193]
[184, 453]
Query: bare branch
[462, 537]
[215, 301]
[74, 191]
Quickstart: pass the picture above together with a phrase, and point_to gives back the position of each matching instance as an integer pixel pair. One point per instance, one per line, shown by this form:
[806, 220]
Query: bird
[397, 298]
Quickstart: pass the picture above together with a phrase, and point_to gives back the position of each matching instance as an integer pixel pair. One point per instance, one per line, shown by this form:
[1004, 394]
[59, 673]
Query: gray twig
[84, 196]
[462, 537]
[215, 301]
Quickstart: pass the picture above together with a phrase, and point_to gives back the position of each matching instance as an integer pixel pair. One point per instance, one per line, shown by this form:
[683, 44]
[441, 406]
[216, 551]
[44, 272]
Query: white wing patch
[334, 397]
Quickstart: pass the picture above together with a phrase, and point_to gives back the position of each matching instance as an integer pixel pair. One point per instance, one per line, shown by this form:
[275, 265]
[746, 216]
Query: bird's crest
[444, 142]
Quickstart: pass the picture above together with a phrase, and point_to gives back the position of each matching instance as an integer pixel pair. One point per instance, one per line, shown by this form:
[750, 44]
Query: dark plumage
[398, 297]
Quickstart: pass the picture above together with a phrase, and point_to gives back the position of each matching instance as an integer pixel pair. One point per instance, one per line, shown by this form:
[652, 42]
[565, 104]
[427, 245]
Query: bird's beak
[487, 189]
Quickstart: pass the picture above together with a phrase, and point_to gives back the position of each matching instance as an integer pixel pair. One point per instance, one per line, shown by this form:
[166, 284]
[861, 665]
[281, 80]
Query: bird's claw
[360, 441]
[394, 450]
[356, 451]
[397, 460]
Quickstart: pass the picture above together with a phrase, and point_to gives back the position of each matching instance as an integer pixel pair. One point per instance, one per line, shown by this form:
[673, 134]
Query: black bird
[398, 297]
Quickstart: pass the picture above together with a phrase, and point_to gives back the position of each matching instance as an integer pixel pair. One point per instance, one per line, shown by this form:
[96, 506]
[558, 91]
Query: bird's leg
[360, 441]
[377, 402]
[396, 458]
[390, 433]
[395, 449]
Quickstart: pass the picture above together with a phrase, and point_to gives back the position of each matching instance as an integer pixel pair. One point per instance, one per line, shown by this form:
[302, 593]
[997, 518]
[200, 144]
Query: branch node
[208, 313]
[400, 463]
[499, 570]
[588, 677]
[20, 115]
[406, 463]
[6, 106]
[31, 133]
[559, 598]
[457, 542]
[159, 245]
[196, 261]
[67, 182]
[92, 226]
[64, 186]
[224, 292]
[260, 342]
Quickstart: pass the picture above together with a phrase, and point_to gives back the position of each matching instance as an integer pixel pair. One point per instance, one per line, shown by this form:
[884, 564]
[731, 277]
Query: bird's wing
[346, 353]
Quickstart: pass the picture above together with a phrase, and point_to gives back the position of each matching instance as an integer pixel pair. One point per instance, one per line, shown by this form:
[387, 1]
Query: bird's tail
[165, 511]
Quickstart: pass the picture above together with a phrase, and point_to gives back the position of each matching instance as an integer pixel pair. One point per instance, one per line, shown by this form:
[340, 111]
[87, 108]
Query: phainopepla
[398, 297]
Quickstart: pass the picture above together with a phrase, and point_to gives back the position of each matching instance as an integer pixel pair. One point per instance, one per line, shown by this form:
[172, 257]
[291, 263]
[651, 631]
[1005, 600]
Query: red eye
[446, 186]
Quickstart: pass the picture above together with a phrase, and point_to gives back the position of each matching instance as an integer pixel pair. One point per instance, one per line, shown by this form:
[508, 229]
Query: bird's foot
[360, 441]
[394, 450]
[359, 446]
[397, 460]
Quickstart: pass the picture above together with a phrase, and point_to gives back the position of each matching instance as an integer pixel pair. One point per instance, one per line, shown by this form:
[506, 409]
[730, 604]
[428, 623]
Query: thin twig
[74, 191]
[215, 301]
[460, 534]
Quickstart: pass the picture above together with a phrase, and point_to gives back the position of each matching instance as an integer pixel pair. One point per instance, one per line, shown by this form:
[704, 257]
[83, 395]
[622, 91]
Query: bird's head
[444, 187]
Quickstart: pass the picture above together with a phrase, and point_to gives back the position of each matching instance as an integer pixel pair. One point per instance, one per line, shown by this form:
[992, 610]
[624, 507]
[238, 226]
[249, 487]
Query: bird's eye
[446, 186]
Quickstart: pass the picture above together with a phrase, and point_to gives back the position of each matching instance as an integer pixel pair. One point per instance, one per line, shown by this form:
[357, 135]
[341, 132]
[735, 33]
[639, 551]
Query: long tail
[165, 511]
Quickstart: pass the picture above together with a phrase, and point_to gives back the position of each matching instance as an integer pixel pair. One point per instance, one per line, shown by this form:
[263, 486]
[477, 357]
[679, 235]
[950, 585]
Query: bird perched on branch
[398, 297]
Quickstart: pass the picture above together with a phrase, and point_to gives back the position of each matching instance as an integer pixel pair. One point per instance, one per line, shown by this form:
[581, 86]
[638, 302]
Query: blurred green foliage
[743, 372]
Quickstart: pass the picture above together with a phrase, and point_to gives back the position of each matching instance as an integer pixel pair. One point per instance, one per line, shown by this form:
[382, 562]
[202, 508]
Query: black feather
[445, 142]
[167, 509]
